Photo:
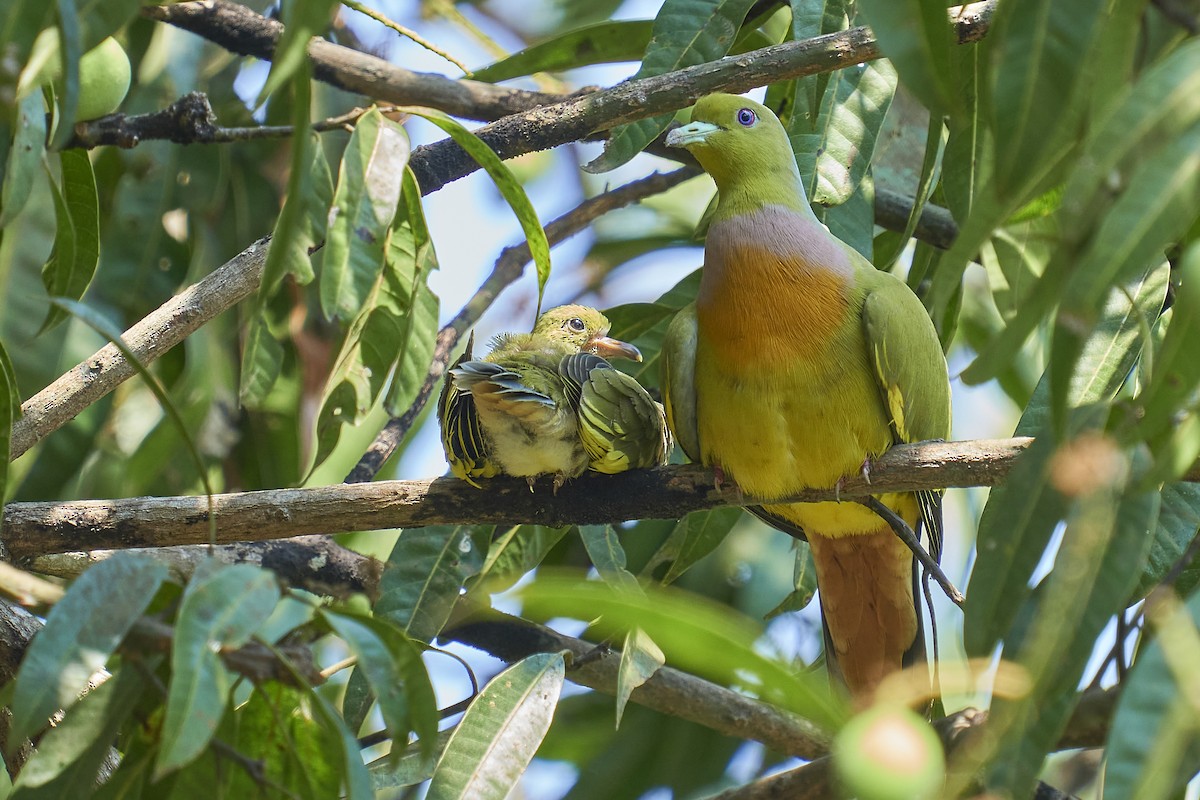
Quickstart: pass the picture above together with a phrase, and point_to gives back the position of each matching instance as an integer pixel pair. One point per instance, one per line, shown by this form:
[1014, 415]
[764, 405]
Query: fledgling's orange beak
[607, 347]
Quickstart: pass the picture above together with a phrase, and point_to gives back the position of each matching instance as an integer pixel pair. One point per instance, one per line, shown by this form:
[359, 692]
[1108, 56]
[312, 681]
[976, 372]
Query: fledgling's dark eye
[576, 324]
[746, 117]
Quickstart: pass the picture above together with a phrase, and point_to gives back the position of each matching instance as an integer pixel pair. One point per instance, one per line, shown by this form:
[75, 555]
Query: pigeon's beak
[693, 133]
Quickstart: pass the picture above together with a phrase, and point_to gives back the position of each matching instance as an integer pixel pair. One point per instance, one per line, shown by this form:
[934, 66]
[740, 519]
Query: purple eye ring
[746, 117]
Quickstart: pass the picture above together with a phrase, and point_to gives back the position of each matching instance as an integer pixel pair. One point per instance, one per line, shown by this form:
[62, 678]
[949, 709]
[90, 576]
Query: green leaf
[302, 20]
[601, 43]
[508, 186]
[640, 659]
[1178, 525]
[1096, 566]
[357, 701]
[24, 157]
[82, 631]
[10, 412]
[424, 575]
[608, 557]
[685, 33]
[69, 271]
[364, 207]
[277, 728]
[702, 532]
[262, 355]
[1039, 83]
[514, 553]
[804, 581]
[392, 336]
[357, 779]
[70, 48]
[223, 606]
[409, 769]
[501, 731]
[1153, 743]
[915, 35]
[697, 635]
[68, 758]
[392, 665]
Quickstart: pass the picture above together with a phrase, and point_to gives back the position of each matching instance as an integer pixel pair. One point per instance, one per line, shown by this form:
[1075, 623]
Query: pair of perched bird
[797, 364]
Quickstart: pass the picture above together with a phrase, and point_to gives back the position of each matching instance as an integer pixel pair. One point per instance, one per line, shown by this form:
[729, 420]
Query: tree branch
[159, 331]
[240, 30]
[32, 529]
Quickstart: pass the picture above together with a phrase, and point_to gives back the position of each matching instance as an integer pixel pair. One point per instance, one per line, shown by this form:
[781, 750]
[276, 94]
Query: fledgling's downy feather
[799, 362]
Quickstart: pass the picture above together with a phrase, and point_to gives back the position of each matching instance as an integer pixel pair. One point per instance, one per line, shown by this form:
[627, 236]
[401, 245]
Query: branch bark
[240, 30]
[32, 529]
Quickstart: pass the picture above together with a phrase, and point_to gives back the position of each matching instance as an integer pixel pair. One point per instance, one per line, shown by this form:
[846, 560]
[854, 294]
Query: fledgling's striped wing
[463, 441]
[620, 425]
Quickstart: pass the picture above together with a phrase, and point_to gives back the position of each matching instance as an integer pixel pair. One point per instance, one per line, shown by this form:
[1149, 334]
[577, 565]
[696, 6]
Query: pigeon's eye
[576, 324]
[746, 117]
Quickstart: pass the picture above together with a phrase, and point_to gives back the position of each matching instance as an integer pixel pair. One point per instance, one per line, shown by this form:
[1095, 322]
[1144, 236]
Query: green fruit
[104, 76]
[889, 753]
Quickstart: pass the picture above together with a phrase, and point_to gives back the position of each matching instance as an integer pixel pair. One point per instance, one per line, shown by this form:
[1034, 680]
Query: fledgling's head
[735, 138]
[584, 330]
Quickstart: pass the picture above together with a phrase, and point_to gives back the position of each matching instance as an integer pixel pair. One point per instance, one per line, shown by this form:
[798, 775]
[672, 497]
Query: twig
[508, 268]
[901, 529]
[27, 589]
[190, 120]
[32, 529]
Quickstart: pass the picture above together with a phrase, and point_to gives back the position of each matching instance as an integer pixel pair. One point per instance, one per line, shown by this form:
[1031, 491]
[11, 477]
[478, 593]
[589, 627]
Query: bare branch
[32, 529]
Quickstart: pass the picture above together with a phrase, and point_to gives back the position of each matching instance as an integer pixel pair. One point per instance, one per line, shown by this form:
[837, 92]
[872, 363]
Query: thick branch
[32, 529]
[567, 121]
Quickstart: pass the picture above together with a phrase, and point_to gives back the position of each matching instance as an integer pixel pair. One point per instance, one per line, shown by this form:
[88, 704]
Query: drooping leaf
[223, 606]
[1178, 525]
[425, 574]
[24, 156]
[82, 631]
[262, 355]
[68, 758]
[392, 665]
[514, 553]
[496, 740]
[364, 207]
[71, 49]
[640, 659]
[601, 43]
[393, 334]
[302, 20]
[915, 35]
[702, 532]
[69, 271]
[608, 557]
[508, 186]
[10, 412]
[1153, 743]
[409, 769]
[685, 32]
[804, 582]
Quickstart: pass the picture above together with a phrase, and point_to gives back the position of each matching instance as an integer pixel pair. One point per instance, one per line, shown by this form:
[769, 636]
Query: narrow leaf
[364, 207]
[501, 731]
[10, 412]
[82, 631]
[601, 43]
[915, 35]
[608, 557]
[221, 607]
[302, 20]
[702, 532]
[392, 666]
[24, 156]
[640, 659]
[425, 574]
